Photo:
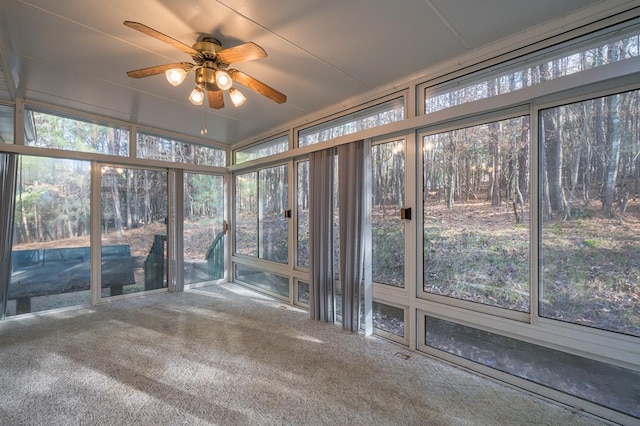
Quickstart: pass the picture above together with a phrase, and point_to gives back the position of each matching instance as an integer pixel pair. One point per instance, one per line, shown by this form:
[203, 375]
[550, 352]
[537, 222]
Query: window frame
[166, 138]
[287, 269]
[446, 300]
[353, 110]
[260, 145]
[562, 45]
[577, 96]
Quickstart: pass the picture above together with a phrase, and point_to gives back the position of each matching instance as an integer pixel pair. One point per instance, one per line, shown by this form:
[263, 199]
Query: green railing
[215, 257]
[154, 264]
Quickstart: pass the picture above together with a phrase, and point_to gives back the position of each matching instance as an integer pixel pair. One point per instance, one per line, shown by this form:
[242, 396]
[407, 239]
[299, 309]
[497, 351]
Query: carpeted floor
[228, 356]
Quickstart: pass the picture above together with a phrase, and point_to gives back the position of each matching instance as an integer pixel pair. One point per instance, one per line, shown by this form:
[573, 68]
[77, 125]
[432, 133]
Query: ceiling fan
[212, 76]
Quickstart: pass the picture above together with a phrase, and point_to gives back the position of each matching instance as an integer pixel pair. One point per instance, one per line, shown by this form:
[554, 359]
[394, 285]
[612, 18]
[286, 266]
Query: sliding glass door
[204, 228]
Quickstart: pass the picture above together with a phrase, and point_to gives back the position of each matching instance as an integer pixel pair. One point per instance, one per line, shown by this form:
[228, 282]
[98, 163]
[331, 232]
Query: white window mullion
[413, 234]
[96, 233]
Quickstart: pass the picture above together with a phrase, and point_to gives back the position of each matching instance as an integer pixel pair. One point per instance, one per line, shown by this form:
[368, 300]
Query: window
[303, 292]
[273, 196]
[272, 283]
[589, 168]
[165, 149]
[50, 258]
[374, 116]
[261, 228]
[476, 232]
[70, 134]
[388, 318]
[246, 214]
[531, 70]
[386, 225]
[591, 380]
[303, 214]
[274, 146]
[134, 211]
[6, 124]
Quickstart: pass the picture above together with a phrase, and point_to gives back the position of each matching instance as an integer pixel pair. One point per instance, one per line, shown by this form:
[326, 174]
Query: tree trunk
[128, 200]
[553, 155]
[523, 162]
[613, 154]
[613, 139]
[496, 172]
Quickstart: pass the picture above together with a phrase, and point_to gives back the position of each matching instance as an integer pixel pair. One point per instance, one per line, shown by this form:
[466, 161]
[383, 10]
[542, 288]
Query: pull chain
[204, 123]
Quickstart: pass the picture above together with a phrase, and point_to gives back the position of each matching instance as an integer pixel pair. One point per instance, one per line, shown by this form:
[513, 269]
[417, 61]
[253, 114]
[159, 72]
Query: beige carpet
[229, 356]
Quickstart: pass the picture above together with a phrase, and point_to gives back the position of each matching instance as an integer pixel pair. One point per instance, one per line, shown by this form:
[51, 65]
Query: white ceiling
[75, 53]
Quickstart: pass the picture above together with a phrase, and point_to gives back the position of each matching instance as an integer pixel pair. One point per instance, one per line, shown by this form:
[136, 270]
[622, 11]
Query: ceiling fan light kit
[236, 97]
[197, 96]
[223, 80]
[175, 76]
[212, 77]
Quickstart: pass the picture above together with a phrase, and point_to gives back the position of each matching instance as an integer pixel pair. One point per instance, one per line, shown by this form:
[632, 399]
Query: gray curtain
[354, 177]
[322, 294]
[8, 166]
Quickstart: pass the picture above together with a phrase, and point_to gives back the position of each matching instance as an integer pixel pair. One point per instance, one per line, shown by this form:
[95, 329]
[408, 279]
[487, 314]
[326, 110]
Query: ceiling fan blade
[216, 99]
[158, 69]
[244, 52]
[162, 37]
[258, 86]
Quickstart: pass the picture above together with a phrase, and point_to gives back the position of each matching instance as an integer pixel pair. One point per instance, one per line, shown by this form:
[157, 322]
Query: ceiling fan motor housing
[206, 76]
[208, 49]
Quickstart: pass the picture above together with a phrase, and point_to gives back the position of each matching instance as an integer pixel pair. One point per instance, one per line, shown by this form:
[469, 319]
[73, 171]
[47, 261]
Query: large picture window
[50, 258]
[589, 178]
[134, 219]
[476, 232]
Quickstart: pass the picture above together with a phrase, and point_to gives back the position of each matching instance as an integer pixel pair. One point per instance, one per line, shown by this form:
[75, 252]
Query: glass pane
[570, 60]
[203, 239]
[590, 251]
[134, 230]
[386, 225]
[70, 134]
[274, 226]
[605, 384]
[303, 292]
[265, 149]
[6, 124]
[303, 214]
[367, 118]
[159, 148]
[246, 214]
[263, 280]
[388, 318]
[50, 259]
[476, 227]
